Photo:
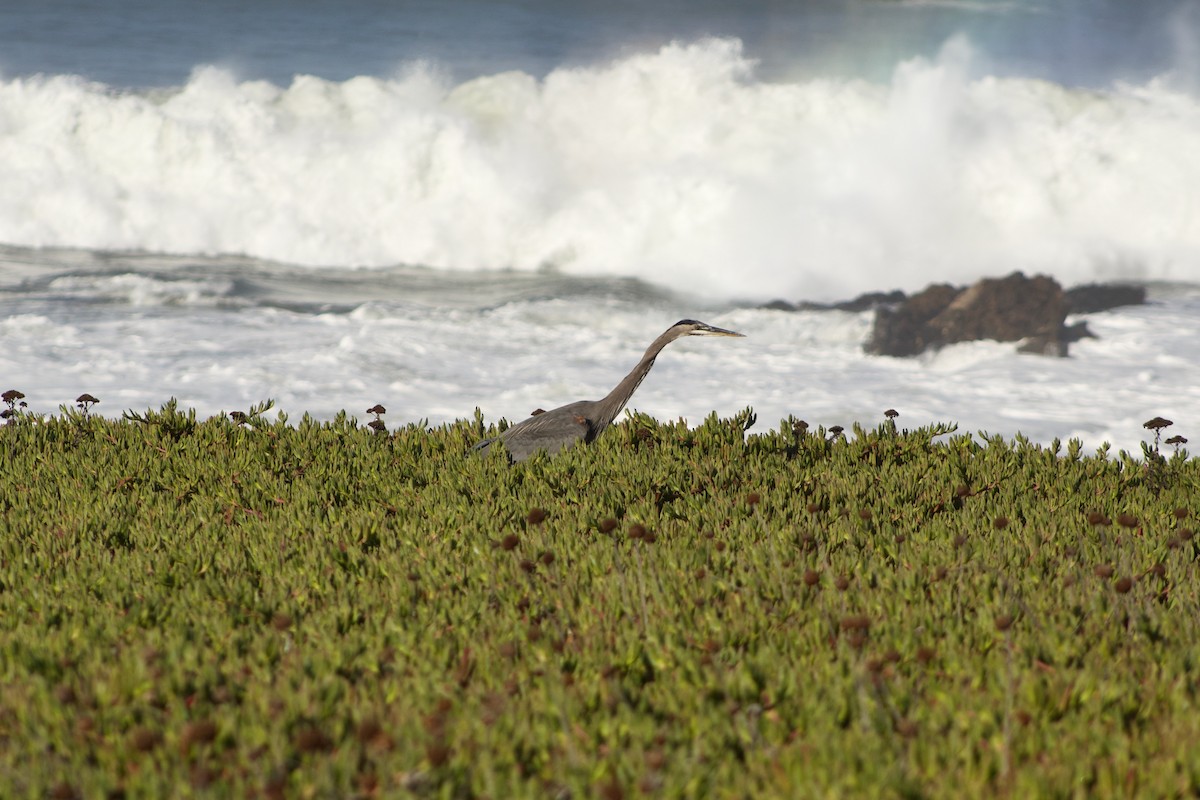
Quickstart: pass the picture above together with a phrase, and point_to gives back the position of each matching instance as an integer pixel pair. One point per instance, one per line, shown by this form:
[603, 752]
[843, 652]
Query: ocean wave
[679, 167]
[142, 290]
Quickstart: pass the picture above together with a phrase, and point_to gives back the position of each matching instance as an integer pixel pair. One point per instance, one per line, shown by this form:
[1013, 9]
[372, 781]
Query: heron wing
[552, 431]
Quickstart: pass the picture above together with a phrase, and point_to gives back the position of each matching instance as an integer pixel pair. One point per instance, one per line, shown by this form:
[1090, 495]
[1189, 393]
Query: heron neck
[615, 401]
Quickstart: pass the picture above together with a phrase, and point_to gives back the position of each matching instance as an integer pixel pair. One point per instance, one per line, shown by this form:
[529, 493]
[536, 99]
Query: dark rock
[864, 302]
[1007, 309]
[905, 330]
[1093, 297]
[1073, 333]
[870, 300]
[1056, 344]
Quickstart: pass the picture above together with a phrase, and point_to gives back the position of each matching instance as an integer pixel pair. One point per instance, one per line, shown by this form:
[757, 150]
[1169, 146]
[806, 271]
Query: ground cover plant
[240, 607]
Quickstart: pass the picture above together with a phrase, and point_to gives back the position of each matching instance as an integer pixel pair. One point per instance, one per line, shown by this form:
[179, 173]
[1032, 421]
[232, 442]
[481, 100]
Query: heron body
[584, 420]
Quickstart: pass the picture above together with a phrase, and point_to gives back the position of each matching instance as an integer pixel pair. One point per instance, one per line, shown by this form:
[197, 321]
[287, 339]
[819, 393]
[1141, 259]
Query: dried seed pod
[144, 739]
[311, 739]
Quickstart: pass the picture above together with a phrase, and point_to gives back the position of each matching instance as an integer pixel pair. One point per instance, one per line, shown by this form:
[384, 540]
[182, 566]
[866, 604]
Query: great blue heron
[584, 420]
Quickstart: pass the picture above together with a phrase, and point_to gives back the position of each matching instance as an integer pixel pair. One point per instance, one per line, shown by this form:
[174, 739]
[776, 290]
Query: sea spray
[679, 166]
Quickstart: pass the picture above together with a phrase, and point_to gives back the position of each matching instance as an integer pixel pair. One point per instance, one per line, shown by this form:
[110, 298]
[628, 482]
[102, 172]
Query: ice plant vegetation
[269, 608]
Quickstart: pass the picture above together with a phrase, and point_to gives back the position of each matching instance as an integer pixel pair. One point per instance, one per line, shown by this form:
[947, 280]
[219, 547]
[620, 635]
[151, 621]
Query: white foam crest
[441, 363]
[676, 166]
[143, 290]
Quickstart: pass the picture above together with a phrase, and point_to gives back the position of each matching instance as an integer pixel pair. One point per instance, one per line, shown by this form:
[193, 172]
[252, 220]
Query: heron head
[692, 327]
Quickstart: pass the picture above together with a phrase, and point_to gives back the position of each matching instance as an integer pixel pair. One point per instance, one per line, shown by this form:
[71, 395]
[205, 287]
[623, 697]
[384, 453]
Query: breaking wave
[679, 167]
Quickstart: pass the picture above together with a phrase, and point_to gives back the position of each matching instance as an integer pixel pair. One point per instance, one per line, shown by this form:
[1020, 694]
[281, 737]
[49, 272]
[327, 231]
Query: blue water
[157, 43]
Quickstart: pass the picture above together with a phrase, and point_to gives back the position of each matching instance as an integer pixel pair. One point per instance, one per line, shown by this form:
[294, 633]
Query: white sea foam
[142, 290]
[136, 347]
[678, 166]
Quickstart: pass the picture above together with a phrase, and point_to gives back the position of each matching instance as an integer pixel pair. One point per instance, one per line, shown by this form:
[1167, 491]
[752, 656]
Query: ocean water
[439, 206]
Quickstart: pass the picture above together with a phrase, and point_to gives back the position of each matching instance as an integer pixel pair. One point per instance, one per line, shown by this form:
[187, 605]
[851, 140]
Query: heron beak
[710, 330]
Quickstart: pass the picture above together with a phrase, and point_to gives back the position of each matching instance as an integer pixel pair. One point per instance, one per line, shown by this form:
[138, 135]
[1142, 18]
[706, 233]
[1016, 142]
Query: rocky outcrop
[906, 329]
[1092, 297]
[1011, 309]
[864, 302]
[1031, 311]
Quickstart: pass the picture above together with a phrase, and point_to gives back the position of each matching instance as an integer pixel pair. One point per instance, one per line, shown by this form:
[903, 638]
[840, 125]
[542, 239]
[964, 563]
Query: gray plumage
[584, 420]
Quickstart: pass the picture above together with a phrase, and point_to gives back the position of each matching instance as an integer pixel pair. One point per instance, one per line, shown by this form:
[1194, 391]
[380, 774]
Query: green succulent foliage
[218, 608]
